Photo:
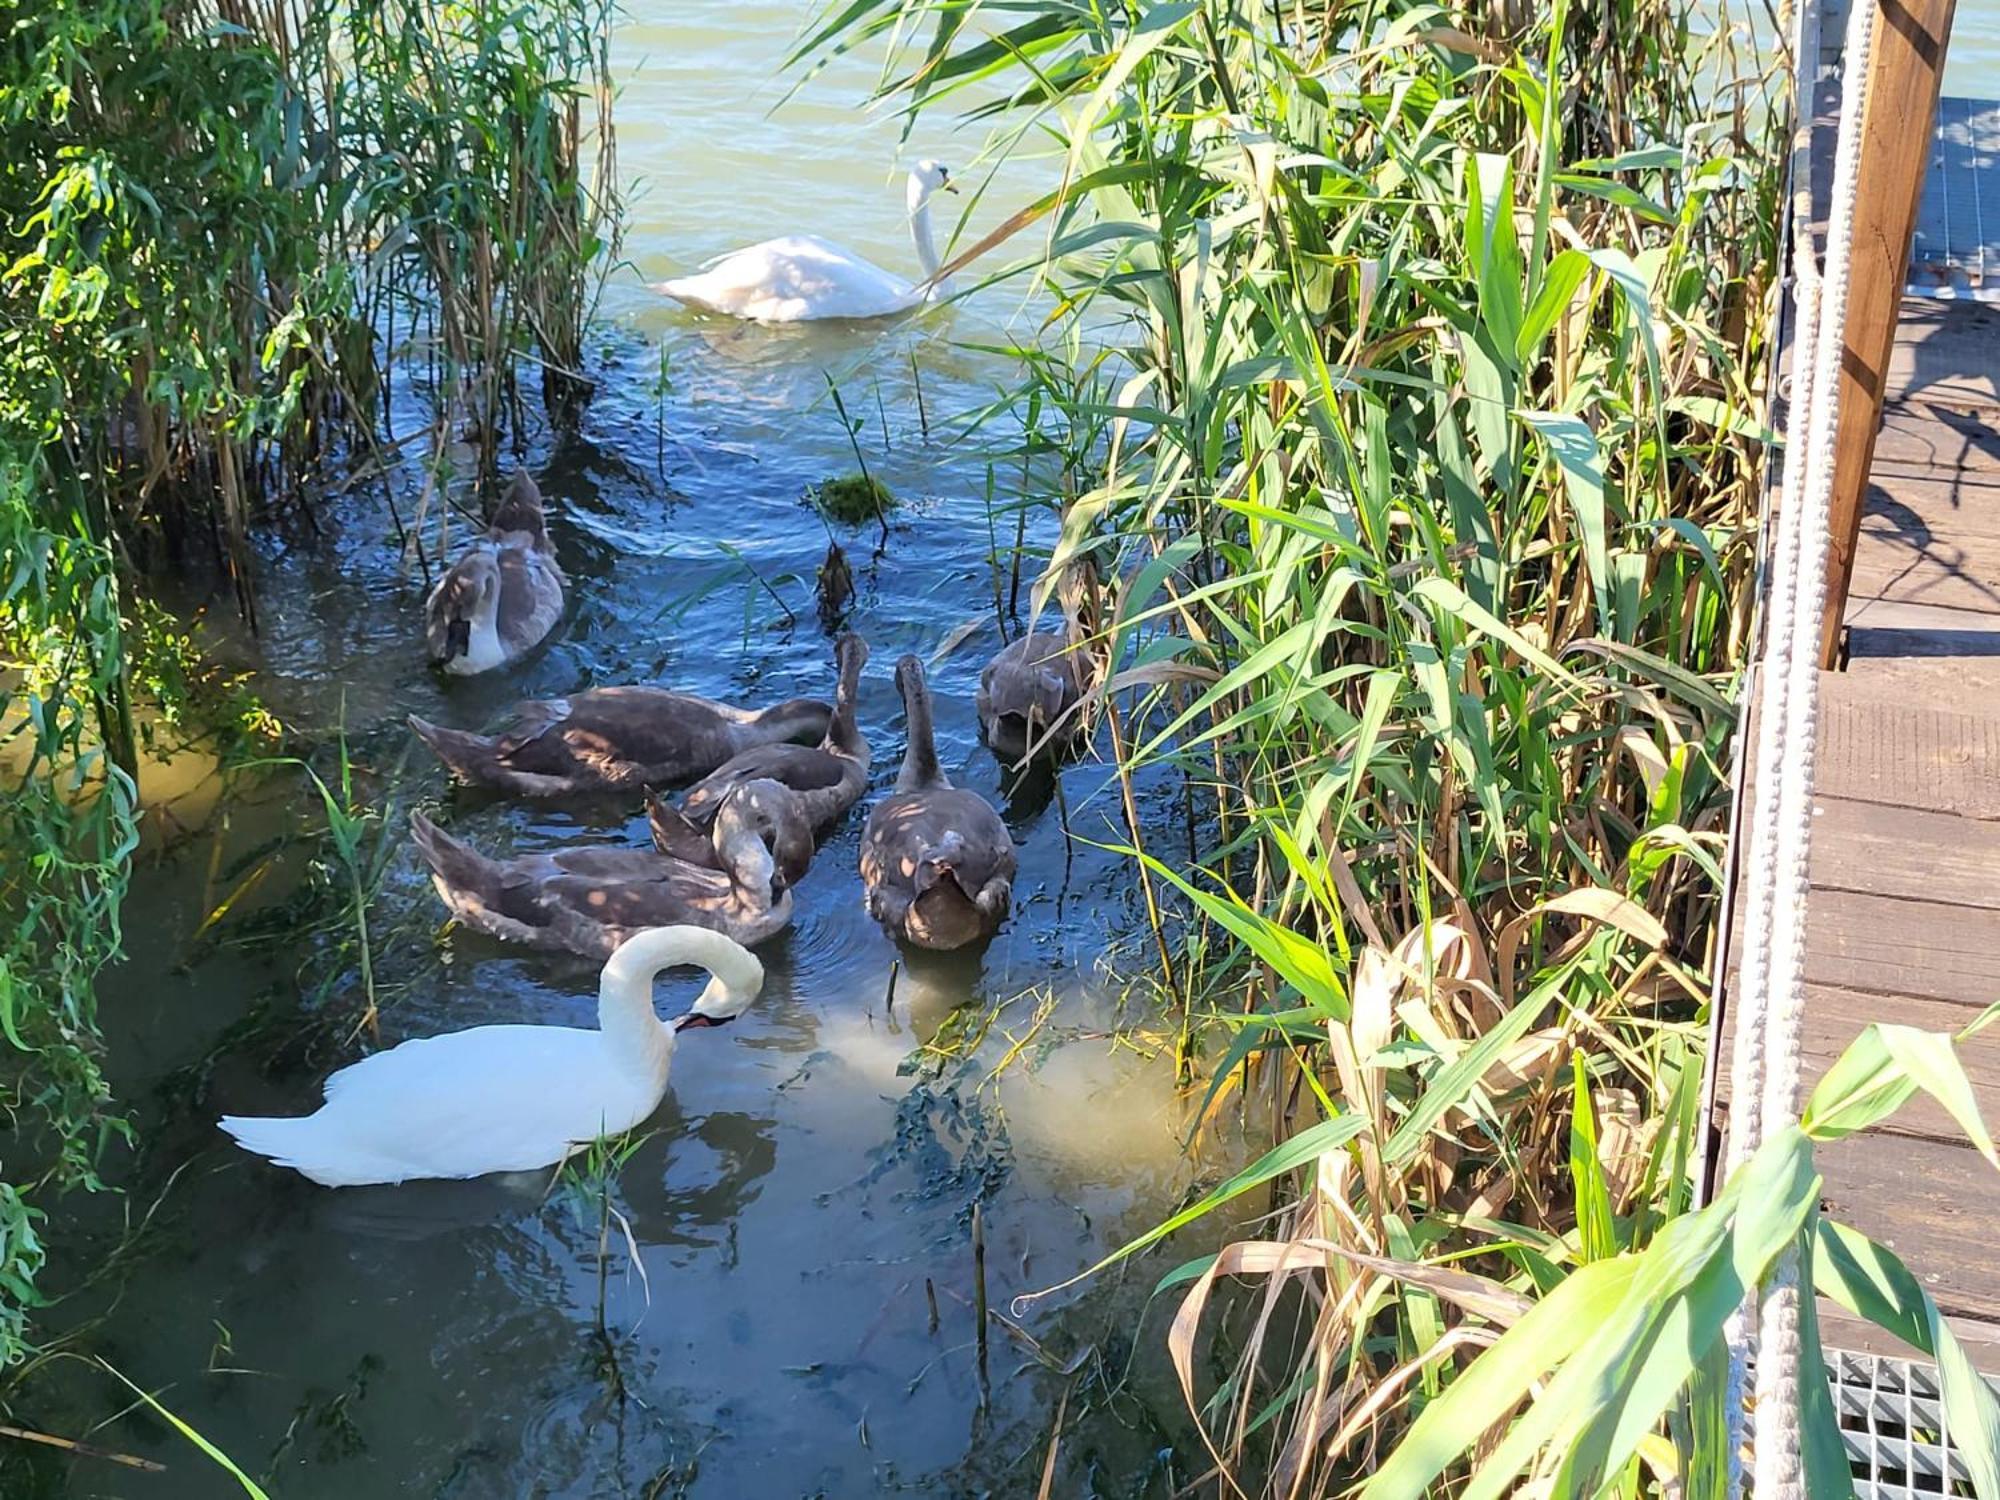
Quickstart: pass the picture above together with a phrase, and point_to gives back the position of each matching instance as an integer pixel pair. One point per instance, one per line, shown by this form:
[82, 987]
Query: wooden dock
[1904, 917]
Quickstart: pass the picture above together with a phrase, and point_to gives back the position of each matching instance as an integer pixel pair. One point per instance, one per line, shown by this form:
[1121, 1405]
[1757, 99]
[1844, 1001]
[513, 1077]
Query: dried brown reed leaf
[1338, 1323]
[1389, 1387]
[1624, 1140]
[1593, 903]
[957, 636]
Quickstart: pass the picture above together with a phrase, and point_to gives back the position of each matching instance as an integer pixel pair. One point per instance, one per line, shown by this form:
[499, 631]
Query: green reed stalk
[1420, 448]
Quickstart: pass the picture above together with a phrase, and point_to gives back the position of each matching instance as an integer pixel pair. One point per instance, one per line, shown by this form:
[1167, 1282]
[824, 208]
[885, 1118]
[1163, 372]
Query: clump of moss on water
[852, 499]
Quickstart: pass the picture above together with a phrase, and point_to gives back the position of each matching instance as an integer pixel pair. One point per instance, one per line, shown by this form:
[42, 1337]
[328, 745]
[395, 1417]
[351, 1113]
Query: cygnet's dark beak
[695, 1018]
[457, 638]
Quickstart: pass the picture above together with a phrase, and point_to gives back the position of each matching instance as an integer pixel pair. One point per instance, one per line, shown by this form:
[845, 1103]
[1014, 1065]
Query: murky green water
[769, 1327]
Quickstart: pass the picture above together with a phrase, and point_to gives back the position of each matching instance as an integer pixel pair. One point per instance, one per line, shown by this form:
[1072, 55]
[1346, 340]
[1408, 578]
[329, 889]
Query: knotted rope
[1770, 998]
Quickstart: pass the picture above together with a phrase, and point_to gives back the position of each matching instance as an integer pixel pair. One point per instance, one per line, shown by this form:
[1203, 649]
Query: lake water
[1972, 65]
[814, 1167]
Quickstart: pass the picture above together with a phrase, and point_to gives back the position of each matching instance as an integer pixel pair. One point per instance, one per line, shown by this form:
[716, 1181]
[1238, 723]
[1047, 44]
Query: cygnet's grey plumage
[613, 738]
[589, 900]
[504, 595]
[1025, 691]
[828, 778]
[937, 862]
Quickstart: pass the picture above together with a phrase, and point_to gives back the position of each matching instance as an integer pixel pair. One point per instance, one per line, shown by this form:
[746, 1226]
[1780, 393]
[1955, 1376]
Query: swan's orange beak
[695, 1018]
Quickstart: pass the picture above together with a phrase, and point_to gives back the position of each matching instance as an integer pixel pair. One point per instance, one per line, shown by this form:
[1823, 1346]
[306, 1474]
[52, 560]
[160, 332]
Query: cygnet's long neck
[920, 762]
[843, 735]
[920, 236]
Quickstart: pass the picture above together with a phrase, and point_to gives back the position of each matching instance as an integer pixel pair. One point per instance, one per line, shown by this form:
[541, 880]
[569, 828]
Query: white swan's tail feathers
[300, 1144]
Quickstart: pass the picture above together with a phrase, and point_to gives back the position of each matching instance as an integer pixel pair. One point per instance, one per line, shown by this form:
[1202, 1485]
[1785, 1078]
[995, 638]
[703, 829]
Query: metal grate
[1956, 252]
[1893, 1424]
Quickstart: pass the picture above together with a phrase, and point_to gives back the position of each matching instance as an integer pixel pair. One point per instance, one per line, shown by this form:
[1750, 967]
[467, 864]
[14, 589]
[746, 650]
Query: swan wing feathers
[798, 768]
[794, 278]
[653, 729]
[492, 1099]
[943, 824]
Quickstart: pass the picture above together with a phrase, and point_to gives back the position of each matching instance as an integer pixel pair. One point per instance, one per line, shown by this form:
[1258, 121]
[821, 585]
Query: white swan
[801, 277]
[510, 1098]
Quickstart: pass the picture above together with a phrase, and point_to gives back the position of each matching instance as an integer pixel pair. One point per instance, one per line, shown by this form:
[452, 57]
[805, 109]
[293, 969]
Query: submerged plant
[852, 499]
[588, 1178]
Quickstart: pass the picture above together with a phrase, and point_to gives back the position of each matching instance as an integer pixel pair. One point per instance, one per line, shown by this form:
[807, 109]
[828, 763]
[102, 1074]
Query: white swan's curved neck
[625, 988]
[920, 236]
[625, 996]
[636, 1036]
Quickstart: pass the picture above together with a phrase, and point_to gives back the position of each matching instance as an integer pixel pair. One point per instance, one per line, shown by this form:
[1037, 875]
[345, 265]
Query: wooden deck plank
[1892, 627]
[1890, 743]
[1931, 1203]
[1951, 575]
[1905, 852]
[1835, 1017]
[1924, 502]
[1929, 538]
[1895, 948]
[1946, 353]
[1939, 437]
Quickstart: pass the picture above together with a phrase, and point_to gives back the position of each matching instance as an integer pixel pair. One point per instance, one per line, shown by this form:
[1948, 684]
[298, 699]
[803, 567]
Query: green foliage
[68, 825]
[221, 1460]
[853, 499]
[223, 224]
[1400, 420]
[358, 854]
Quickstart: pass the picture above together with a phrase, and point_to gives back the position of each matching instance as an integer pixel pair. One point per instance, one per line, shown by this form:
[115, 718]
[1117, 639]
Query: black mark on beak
[458, 639]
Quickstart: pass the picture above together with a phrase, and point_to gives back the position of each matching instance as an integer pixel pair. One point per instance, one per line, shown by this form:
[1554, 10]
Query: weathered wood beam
[1898, 115]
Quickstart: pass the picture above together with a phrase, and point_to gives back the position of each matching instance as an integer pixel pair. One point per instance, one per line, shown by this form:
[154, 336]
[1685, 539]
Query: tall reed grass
[1405, 382]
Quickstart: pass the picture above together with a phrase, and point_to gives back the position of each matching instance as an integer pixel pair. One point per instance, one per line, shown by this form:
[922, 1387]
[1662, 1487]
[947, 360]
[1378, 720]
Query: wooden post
[1898, 117]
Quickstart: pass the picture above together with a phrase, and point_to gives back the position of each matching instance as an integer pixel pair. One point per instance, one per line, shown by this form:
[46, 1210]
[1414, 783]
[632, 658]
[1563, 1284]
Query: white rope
[1765, 1062]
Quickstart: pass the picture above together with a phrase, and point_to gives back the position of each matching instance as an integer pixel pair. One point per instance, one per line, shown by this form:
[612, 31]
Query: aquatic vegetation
[358, 855]
[853, 499]
[587, 1179]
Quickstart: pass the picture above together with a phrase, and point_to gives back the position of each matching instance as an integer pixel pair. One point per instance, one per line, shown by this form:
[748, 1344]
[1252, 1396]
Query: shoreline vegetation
[1409, 376]
[1413, 460]
[1400, 424]
[232, 227]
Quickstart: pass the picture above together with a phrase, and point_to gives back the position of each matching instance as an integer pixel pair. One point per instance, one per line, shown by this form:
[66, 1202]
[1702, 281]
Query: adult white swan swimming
[510, 1098]
[801, 277]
